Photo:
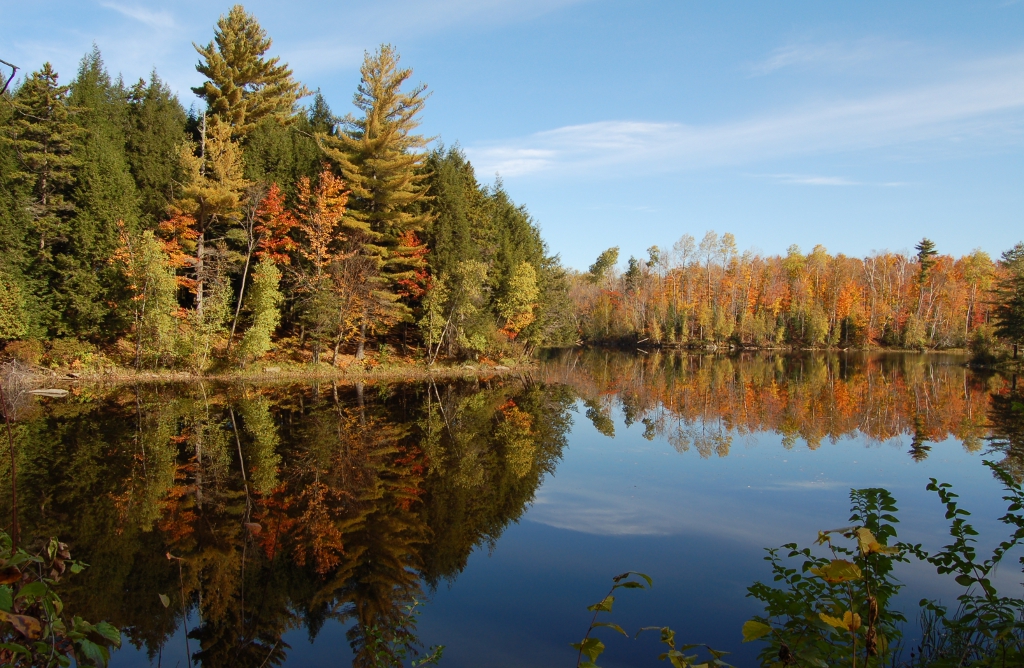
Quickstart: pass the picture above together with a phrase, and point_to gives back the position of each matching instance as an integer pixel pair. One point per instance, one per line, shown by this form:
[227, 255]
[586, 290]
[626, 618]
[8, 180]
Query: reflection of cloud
[142, 14]
[660, 511]
[977, 103]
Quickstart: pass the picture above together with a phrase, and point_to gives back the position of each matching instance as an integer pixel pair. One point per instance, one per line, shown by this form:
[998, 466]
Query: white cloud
[155, 19]
[980, 100]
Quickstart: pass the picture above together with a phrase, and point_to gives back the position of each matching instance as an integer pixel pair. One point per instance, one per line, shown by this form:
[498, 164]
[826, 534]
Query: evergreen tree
[156, 129]
[381, 161]
[459, 228]
[85, 281]
[243, 86]
[40, 138]
[925, 257]
[209, 201]
[1008, 311]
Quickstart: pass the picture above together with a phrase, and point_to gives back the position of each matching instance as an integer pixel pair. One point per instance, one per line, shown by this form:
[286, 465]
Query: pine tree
[243, 86]
[925, 257]
[156, 129]
[382, 163]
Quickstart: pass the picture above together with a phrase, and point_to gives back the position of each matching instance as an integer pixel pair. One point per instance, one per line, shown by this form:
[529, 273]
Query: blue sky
[862, 126]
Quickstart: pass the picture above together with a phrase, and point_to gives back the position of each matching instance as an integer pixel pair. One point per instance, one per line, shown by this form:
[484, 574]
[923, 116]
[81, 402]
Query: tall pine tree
[243, 86]
[381, 159]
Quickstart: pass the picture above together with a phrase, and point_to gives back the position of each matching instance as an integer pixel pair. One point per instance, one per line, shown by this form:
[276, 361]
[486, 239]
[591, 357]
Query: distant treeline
[162, 237]
[708, 293]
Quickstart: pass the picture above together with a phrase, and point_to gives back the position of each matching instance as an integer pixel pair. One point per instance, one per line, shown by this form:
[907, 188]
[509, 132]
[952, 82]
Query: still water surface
[303, 519]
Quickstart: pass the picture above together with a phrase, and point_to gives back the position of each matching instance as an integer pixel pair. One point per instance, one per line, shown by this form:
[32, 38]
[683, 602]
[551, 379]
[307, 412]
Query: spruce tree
[243, 86]
[1008, 311]
[40, 137]
[105, 195]
[156, 128]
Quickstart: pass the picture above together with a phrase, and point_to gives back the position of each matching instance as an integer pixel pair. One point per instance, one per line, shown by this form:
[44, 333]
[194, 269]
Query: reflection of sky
[697, 526]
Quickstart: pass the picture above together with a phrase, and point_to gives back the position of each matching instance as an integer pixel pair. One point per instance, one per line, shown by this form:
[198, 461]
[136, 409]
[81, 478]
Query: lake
[296, 524]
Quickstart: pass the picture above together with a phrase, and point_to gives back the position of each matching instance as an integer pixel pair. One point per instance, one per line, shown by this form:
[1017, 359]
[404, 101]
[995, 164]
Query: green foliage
[35, 629]
[13, 319]
[1008, 312]
[263, 302]
[986, 629]
[156, 129]
[605, 261]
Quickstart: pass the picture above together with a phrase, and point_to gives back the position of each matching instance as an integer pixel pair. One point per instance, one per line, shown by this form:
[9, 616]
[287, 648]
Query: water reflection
[247, 512]
[706, 402]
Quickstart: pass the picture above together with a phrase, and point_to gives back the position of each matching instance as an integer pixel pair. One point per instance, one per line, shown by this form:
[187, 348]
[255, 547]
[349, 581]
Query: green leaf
[604, 606]
[98, 655]
[753, 629]
[15, 647]
[591, 648]
[964, 580]
[110, 632]
[33, 589]
[6, 598]
[611, 626]
[838, 570]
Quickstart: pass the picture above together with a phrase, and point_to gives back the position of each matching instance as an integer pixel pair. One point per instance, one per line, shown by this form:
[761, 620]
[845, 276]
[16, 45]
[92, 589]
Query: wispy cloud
[155, 19]
[981, 100]
[830, 55]
[818, 180]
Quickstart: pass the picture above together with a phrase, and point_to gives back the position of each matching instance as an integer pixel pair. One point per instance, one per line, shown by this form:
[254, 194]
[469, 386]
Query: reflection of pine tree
[918, 446]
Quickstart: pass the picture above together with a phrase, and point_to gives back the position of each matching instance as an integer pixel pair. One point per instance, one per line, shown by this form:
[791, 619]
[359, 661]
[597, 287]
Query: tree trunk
[241, 294]
[361, 349]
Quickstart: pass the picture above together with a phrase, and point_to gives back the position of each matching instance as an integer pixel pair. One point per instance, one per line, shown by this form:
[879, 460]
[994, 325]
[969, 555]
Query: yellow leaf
[868, 543]
[838, 570]
[753, 629]
[849, 622]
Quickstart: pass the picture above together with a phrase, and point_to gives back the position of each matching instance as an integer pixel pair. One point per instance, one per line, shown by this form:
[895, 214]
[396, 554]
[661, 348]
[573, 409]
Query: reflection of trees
[1006, 420]
[284, 508]
[703, 401]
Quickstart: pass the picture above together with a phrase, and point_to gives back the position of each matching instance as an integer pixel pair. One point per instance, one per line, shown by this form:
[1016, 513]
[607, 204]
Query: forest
[709, 294]
[259, 225]
[152, 236]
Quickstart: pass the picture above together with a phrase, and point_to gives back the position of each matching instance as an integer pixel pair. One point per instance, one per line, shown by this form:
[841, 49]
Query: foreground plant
[34, 627]
[592, 648]
[834, 609]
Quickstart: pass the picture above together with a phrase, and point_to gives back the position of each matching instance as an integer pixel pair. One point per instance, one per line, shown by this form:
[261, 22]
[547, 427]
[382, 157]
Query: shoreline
[273, 374]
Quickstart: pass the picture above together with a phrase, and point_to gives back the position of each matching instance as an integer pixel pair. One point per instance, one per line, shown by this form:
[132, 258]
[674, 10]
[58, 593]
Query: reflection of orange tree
[700, 400]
